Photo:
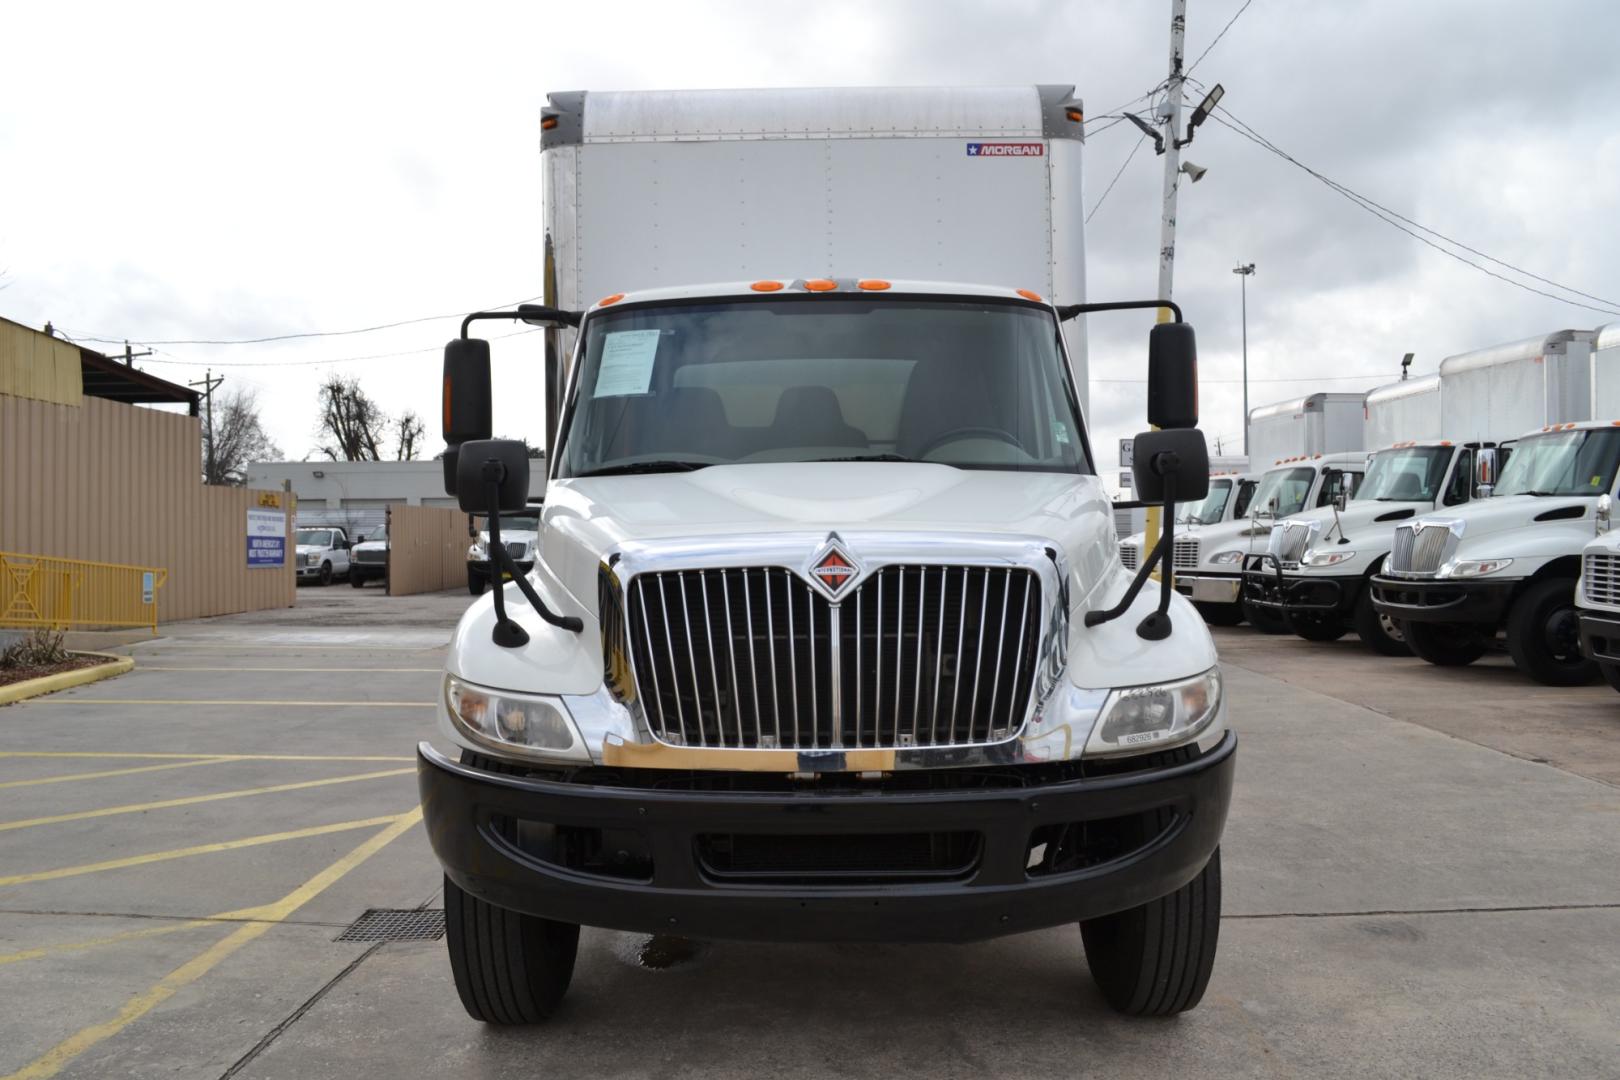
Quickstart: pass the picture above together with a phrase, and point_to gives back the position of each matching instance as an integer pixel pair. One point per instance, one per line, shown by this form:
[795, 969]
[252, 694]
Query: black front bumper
[1600, 636]
[1265, 587]
[1428, 600]
[484, 570]
[470, 813]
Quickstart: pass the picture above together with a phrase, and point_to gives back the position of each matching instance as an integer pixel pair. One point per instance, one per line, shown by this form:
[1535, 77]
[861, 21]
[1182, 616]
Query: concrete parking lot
[1422, 879]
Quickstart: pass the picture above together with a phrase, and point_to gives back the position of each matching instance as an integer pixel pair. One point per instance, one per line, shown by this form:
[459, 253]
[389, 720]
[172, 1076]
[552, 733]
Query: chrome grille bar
[1602, 579]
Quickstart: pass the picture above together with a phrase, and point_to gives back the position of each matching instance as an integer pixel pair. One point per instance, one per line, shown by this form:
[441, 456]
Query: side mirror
[1179, 455]
[452, 454]
[466, 397]
[1604, 513]
[1173, 377]
[1485, 471]
[504, 462]
[1340, 499]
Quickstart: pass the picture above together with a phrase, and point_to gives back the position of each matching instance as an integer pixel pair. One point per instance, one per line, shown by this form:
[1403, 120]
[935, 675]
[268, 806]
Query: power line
[314, 363]
[1104, 196]
[1393, 219]
[1218, 36]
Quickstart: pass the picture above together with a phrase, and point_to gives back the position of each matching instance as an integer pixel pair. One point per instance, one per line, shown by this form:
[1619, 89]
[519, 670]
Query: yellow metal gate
[37, 590]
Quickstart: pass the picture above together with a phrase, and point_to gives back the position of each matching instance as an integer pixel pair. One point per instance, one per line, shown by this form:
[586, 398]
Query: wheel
[1316, 626]
[1544, 636]
[509, 968]
[1220, 614]
[1155, 960]
[356, 580]
[1611, 674]
[326, 573]
[1264, 619]
[1378, 631]
[475, 584]
[1445, 644]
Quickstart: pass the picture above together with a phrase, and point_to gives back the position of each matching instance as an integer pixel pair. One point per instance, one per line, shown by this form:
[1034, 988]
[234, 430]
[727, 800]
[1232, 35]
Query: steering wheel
[955, 434]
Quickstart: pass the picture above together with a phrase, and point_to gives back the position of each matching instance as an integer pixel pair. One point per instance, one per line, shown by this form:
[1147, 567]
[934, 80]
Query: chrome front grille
[1419, 548]
[1601, 574]
[371, 555]
[1185, 554]
[516, 548]
[1128, 555]
[917, 656]
[1292, 538]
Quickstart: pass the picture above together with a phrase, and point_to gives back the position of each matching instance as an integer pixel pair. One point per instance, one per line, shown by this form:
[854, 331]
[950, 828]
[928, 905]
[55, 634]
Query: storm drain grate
[394, 924]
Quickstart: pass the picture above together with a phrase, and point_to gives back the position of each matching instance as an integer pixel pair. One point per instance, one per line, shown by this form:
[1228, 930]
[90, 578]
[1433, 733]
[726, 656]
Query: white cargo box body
[650, 189]
[1407, 411]
[1605, 372]
[1503, 391]
[1318, 424]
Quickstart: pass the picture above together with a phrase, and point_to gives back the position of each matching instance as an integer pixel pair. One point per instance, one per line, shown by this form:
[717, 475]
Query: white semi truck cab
[1228, 500]
[1597, 598]
[1210, 559]
[1315, 571]
[1508, 563]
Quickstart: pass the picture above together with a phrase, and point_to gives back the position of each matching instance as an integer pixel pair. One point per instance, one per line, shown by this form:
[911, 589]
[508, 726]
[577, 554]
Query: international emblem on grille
[833, 569]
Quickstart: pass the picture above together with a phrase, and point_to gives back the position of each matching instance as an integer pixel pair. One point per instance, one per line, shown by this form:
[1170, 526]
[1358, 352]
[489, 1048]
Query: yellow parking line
[211, 757]
[200, 849]
[385, 670]
[111, 939]
[107, 772]
[220, 701]
[192, 800]
[52, 1061]
[254, 646]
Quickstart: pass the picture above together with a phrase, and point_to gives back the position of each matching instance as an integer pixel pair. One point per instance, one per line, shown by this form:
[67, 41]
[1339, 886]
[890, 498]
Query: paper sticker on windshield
[627, 363]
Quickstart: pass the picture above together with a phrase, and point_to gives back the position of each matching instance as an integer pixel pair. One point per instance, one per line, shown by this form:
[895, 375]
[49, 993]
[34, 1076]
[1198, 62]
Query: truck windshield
[1563, 463]
[1209, 509]
[1410, 474]
[315, 537]
[1290, 487]
[974, 384]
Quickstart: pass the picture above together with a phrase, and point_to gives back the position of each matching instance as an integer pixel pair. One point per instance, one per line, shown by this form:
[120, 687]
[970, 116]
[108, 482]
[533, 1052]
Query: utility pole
[1170, 116]
[209, 384]
[1245, 270]
[131, 357]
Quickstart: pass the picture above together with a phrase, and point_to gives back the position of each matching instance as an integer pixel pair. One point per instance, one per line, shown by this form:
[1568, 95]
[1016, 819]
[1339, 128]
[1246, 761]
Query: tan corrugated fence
[427, 549]
[108, 482]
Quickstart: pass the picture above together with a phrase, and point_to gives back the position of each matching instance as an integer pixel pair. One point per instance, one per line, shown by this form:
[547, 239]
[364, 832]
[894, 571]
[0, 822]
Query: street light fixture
[1244, 271]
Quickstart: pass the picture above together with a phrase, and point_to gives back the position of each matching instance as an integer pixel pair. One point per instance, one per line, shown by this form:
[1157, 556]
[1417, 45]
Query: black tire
[356, 580]
[1155, 960]
[1264, 619]
[1611, 674]
[1220, 614]
[509, 968]
[1316, 626]
[1377, 631]
[1544, 637]
[475, 584]
[326, 573]
[1445, 644]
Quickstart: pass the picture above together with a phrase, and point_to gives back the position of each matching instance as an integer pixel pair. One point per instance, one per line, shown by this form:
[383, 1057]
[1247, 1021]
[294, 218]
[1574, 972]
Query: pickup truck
[368, 559]
[322, 554]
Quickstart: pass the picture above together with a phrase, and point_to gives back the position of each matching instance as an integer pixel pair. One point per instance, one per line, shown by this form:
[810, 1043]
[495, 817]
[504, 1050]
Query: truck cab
[322, 553]
[1210, 560]
[1317, 563]
[1597, 598]
[1230, 494]
[1508, 563]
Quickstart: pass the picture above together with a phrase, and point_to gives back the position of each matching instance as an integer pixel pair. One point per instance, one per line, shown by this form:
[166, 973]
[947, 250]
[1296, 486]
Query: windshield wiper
[632, 467]
[880, 457]
[1541, 494]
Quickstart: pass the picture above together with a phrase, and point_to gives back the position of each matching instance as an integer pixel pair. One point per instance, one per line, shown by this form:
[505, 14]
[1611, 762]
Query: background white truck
[1597, 599]
[322, 553]
[827, 637]
[1321, 423]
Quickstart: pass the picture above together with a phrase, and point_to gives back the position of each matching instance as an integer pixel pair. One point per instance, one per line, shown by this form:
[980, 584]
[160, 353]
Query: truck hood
[305, 549]
[371, 545]
[586, 518]
[1507, 527]
[1360, 519]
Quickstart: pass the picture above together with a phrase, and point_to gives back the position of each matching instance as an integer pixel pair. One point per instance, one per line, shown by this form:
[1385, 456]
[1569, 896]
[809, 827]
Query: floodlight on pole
[1205, 107]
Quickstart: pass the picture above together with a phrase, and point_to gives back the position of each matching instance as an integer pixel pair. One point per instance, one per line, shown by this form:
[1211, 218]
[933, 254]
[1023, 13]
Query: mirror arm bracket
[1156, 626]
[1068, 311]
[508, 634]
[571, 318]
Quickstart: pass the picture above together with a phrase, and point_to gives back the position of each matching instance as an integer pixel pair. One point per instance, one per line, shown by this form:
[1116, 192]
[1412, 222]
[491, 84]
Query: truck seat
[811, 416]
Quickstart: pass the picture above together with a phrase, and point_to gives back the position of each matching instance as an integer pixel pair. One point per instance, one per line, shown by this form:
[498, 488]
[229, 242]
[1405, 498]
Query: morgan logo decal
[1006, 149]
[832, 568]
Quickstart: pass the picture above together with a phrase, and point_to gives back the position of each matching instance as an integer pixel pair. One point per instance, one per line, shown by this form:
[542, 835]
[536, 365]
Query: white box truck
[1323, 423]
[826, 638]
[1405, 411]
[1503, 390]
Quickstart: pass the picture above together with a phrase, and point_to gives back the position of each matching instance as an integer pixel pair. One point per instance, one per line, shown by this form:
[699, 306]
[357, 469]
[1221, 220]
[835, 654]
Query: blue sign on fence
[266, 538]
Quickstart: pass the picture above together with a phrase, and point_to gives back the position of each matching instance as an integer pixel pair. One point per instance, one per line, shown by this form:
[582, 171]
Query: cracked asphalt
[1422, 878]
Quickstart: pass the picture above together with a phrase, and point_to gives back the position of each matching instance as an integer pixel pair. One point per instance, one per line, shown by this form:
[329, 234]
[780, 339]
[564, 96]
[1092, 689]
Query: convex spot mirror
[1159, 456]
[1172, 377]
[504, 462]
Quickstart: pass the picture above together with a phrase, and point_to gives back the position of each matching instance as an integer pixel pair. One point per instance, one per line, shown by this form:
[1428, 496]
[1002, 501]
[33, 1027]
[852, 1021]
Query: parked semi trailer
[827, 637]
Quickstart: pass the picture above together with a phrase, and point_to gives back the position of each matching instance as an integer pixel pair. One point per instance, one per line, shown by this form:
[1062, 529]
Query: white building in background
[356, 494]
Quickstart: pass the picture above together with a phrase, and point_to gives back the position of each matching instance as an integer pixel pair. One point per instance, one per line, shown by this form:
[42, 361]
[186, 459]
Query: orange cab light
[766, 286]
[1029, 294]
[614, 299]
[548, 123]
[1075, 116]
[820, 284]
[872, 284]
[1445, 442]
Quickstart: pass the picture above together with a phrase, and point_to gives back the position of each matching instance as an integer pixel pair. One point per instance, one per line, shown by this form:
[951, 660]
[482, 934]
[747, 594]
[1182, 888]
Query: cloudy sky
[220, 172]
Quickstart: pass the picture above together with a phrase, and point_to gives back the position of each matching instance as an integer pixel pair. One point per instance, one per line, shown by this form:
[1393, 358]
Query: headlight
[1471, 568]
[1226, 558]
[1138, 718]
[535, 726]
[1326, 558]
[313, 558]
[475, 553]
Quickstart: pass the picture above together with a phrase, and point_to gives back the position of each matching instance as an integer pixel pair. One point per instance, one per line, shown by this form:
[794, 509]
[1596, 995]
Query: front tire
[1379, 632]
[1611, 674]
[326, 574]
[1263, 619]
[509, 968]
[1445, 644]
[475, 584]
[1155, 960]
[1317, 626]
[356, 580]
[1543, 635]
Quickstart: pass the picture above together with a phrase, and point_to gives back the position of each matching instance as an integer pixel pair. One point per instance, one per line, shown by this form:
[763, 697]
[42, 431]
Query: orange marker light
[820, 285]
[1029, 295]
[548, 123]
[1075, 116]
[872, 284]
[766, 286]
[614, 299]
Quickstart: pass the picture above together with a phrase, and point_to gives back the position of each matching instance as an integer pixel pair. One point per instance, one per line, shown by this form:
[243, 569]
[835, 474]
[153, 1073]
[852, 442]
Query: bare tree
[411, 431]
[352, 424]
[236, 437]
